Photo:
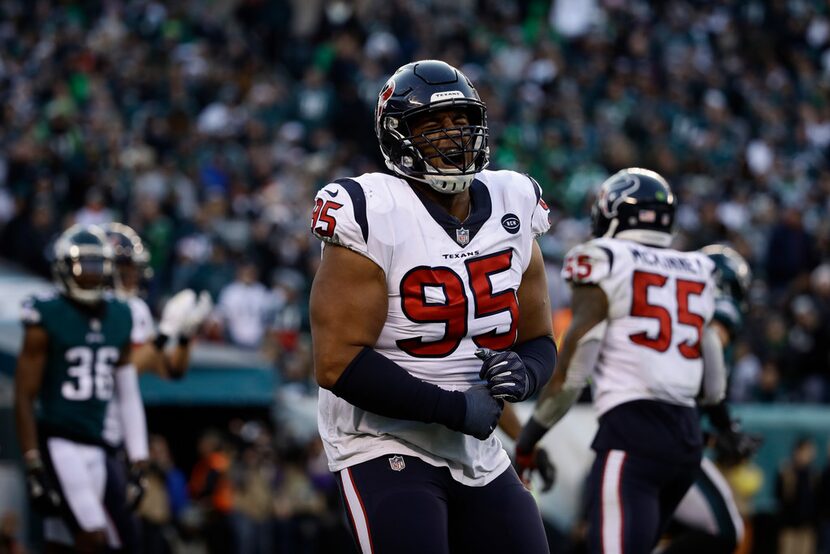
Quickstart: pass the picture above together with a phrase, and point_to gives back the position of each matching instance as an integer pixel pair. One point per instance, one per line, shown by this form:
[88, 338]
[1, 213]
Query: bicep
[589, 305]
[31, 360]
[534, 303]
[348, 307]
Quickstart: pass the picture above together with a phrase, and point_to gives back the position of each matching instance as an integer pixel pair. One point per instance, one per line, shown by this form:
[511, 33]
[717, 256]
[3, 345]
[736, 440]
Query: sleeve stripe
[537, 190]
[610, 258]
[359, 202]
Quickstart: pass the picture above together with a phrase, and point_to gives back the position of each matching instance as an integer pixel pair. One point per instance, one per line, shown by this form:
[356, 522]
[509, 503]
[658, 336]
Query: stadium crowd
[208, 127]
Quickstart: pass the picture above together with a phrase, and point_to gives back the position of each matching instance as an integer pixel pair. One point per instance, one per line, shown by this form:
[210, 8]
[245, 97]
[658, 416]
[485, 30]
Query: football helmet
[636, 204]
[82, 265]
[416, 90]
[130, 256]
[732, 273]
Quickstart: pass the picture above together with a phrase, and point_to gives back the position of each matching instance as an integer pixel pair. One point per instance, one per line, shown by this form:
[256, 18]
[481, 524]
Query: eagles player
[75, 357]
[640, 329]
[429, 309]
[708, 510]
[182, 316]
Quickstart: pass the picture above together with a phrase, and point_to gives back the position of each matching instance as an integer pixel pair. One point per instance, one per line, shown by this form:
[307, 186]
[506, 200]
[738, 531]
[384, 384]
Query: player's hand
[136, 485]
[176, 311]
[200, 312]
[42, 492]
[482, 414]
[505, 373]
[536, 460]
[736, 445]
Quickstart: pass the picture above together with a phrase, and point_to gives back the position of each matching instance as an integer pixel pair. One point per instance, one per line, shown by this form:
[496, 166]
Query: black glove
[42, 492]
[136, 486]
[505, 373]
[526, 462]
[734, 445]
[482, 413]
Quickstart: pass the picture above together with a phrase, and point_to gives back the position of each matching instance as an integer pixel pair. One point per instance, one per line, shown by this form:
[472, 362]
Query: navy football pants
[115, 501]
[631, 499]
[420, 509]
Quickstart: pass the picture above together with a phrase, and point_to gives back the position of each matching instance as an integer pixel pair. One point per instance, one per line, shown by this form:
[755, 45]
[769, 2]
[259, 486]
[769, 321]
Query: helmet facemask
[446, 158]
[84, 273]
[131, 270]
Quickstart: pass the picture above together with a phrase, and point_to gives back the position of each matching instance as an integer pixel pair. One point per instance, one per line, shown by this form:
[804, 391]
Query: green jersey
[83, 350]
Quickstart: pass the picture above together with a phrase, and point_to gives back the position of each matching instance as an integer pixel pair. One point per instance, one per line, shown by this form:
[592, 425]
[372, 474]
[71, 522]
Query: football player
[181, 318]
[429, 309]
[640, 330]
[708, 510]
[75, 357]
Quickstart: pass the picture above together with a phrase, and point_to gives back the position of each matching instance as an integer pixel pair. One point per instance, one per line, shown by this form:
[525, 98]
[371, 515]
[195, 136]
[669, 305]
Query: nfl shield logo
[462, 236]
[397, 463]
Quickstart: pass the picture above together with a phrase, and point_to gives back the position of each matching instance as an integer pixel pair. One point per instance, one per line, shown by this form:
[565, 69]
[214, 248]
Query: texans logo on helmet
[383, 98]
[617, 198]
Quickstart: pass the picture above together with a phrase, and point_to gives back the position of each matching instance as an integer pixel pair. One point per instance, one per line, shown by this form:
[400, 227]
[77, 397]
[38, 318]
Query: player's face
[128, 273]
[440, 137]
[89, 273]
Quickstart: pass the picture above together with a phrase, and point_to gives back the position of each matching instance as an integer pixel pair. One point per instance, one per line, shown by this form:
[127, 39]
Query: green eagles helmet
[732, 273]
[82, 264]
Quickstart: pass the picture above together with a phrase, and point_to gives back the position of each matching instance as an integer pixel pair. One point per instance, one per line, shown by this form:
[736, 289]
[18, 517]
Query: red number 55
[640, 307]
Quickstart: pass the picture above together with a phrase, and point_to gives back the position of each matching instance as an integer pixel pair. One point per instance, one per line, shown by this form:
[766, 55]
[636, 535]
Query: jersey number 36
[91, 371]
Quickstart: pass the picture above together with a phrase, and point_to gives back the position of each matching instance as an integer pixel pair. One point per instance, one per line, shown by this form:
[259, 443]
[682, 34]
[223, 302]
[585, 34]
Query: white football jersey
[452, 286]
[659, 301]
[143, 331]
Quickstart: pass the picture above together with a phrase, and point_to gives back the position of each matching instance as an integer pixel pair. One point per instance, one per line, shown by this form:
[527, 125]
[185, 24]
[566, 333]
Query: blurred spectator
[210, 488]
[164, 499]
[299, 506]
[10, 534]
[244, 308]
[808, 350]
[94, 210]
[823, 508]
[796, 489]
[252, 476]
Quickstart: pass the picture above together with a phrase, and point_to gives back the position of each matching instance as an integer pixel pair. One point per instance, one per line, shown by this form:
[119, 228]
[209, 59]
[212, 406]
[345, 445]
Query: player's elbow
[329, 366]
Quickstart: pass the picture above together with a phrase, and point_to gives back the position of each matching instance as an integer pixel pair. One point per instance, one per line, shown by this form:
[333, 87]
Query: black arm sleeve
[376, 384]
[719, 416]
[539, 356]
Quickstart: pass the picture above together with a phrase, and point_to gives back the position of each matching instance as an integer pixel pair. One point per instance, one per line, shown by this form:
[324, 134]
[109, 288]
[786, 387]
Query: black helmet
[636, 204]
[128, 251]
[82, 264]
[732, 273]
[424, 87]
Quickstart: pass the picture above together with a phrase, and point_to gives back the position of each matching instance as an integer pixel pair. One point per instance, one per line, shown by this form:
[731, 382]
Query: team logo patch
[385, 94]
[462, 236]
[510, 223]
[397, 463]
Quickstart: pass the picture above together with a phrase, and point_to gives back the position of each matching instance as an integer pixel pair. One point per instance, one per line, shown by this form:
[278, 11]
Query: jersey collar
[480, 211]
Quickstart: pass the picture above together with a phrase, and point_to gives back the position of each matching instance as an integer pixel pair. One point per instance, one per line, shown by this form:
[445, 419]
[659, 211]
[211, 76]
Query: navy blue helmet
[416, 90]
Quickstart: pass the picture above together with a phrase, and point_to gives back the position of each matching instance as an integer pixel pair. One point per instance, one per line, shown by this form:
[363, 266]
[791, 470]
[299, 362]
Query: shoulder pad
[540, 220]
[31, 309]
[30, 312]
[587, 263]
[339, 215]
[728, 314]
